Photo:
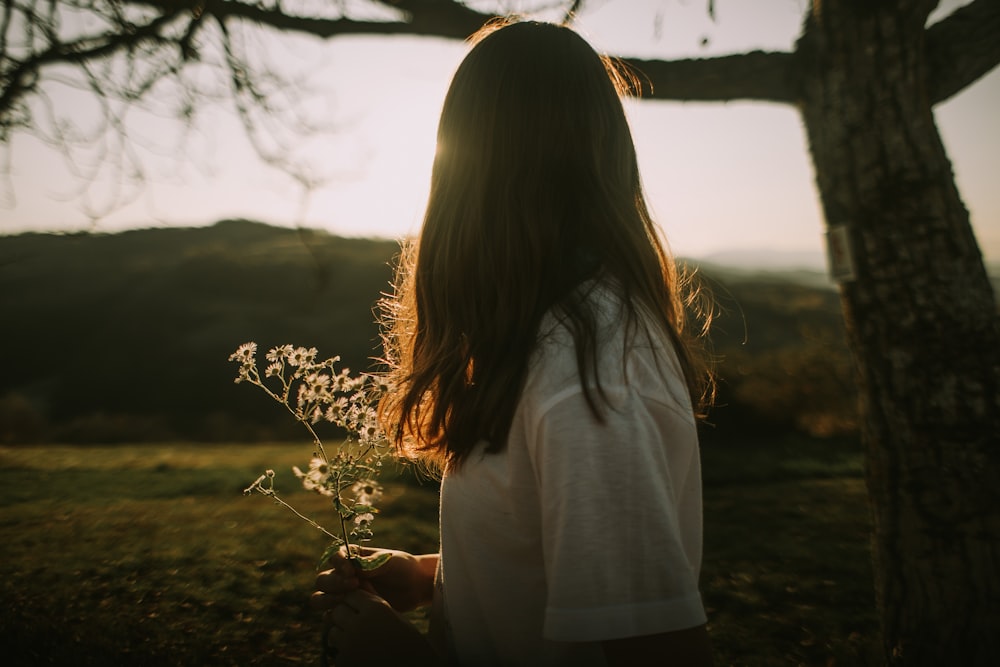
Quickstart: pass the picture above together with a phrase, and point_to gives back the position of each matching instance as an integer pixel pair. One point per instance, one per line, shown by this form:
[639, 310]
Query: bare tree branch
[747, 76]
[175, 24]
[158, 55]
[962, 48]
[20, 74]
[572, 11]
[434, 18]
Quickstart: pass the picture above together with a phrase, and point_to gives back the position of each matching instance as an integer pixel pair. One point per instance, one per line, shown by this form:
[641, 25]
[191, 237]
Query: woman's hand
[404, 581]
[362, 629]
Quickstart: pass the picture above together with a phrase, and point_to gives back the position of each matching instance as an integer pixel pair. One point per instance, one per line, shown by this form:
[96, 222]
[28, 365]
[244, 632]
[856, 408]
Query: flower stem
[274, 496]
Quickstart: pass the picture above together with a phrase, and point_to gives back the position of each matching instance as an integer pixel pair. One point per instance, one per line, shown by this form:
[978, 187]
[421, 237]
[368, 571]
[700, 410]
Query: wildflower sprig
[315, 391]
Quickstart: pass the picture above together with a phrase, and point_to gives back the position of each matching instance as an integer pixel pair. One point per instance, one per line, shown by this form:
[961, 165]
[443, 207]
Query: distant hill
[131, 332]
[767, 259]
[804, 267]
[766, 274]
[993, 269]
[125, 337]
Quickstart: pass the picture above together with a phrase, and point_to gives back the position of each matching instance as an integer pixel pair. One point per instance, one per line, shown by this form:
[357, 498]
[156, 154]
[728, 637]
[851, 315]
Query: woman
[539, 355]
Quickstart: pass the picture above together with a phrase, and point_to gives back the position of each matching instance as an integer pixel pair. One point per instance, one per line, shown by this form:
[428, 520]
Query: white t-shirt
[578, 531]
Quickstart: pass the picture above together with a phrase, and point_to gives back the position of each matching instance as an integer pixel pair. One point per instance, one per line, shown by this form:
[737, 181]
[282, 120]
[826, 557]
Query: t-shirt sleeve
[621, 515]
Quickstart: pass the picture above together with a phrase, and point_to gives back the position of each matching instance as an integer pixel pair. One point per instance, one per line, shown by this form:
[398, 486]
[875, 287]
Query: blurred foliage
[783, 361]
[125, 337]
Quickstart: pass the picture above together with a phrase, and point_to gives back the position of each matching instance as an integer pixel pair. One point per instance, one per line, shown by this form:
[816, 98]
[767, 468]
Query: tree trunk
[923, 326]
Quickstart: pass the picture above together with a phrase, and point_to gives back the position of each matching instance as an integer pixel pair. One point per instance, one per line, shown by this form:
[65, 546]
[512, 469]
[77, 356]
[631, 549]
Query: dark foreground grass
[150, 555]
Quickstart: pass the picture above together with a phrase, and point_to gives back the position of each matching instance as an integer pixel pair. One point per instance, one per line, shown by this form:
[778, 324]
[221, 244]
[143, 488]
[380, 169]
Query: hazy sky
[720, 177]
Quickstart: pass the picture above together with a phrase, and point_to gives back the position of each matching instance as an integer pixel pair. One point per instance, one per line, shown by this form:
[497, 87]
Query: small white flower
[317, 478]
[278, 353]
[317, 381]
[244, 353]
[312, 484]
[319, 465]
[343, 381]
[298, 356]
[364, 519]
[301, 356]
[336, 410]
[368, 426]
[366, 492]
[273, 370]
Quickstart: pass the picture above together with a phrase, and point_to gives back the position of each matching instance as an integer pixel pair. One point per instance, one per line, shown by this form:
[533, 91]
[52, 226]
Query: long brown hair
[535, 188]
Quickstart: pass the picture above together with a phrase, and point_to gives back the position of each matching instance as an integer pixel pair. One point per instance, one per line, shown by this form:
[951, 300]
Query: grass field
[150, 554]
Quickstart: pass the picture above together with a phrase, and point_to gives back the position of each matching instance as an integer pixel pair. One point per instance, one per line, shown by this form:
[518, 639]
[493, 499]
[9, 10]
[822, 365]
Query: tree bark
[923, 326]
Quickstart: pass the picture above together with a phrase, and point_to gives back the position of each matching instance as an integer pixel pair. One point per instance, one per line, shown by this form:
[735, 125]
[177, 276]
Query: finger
[359, 600]
[340, 565]
[337, 582]
[320, 601]
[356, 553]
[339, 561]
[333, 577]
[346, 568]
[357, 550]
[342, 616]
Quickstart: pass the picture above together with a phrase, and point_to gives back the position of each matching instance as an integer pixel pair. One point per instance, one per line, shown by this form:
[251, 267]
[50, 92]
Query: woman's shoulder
[597, 303]
[630, 347]
[602, 300]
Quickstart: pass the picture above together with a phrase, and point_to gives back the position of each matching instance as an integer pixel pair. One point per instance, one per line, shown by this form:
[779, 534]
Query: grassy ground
[150, 555]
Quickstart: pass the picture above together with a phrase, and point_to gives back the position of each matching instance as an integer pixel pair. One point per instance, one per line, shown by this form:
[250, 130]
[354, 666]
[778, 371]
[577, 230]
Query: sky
[719, 177]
